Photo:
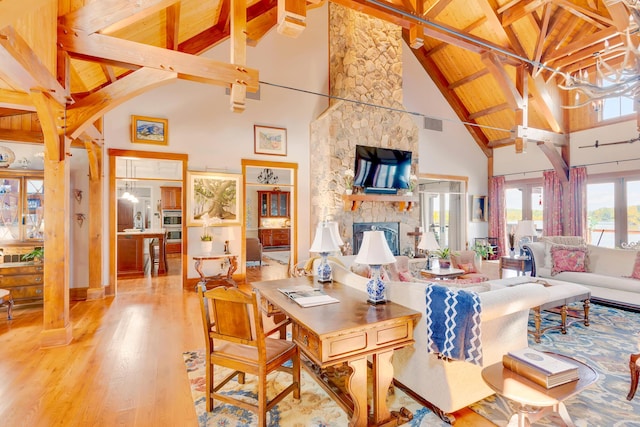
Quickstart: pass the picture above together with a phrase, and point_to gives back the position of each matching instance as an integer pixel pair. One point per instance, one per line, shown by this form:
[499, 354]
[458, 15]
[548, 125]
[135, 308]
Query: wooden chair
[634, 360]
[236, 339]
[6, 298]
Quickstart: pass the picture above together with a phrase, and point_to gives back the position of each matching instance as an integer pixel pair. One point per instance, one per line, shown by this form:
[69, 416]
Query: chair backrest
[231, 315]
[464, 257]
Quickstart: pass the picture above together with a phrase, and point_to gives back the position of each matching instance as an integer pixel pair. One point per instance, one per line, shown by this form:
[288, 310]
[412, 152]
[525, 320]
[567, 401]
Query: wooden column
[57, 328]
[95, 152]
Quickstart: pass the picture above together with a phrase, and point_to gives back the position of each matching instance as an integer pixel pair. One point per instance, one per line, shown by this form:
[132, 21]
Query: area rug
[315, 407]
[281, 257]
[605, 345]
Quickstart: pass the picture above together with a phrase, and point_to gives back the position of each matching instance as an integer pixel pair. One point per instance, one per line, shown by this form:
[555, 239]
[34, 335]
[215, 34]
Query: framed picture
[149, 130]
[269, 140]
[213, 195]
[478, 208]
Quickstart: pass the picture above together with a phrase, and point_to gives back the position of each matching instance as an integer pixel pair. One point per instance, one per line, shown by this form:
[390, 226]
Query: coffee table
[536, 402]
[442, 273]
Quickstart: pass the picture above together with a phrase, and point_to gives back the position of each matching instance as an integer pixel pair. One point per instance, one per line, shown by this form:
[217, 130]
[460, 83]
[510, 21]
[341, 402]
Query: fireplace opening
[391, 233]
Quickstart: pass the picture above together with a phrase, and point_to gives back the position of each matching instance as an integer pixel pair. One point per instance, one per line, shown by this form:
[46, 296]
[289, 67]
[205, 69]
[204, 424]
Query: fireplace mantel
[352, 201]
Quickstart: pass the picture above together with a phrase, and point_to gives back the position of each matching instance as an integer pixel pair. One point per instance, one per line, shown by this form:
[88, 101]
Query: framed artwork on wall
[478, 208]
[269, 140]
[149, 130]
[213, 195]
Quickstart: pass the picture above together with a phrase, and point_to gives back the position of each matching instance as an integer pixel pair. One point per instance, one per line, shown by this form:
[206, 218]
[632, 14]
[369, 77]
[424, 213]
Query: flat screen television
[381, 168]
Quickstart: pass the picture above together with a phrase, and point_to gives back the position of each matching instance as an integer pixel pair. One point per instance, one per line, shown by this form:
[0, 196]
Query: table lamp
[525, 232]
[428, 243]
[324, 243]
[375, 251]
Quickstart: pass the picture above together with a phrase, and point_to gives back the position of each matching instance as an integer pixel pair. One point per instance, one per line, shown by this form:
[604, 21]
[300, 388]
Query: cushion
[468, 267]
[568, 258]
[360, 269]
[405, 276]
[635, 274]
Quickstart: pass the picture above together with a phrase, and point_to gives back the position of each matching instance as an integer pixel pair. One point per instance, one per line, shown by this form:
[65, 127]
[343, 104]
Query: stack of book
[541, 368]
[306, 296]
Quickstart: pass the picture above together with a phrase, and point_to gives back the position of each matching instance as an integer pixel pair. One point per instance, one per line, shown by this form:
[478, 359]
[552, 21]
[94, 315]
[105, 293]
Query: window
[613, 210]
[524, 201]
[616, 106]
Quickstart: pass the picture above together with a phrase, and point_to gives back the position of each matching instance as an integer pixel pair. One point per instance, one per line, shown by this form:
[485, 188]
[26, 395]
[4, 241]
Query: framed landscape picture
[270, 140]
[213, 195]
[149, 130]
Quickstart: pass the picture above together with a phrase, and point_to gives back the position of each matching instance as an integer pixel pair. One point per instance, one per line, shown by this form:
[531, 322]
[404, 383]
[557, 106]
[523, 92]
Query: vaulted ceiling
[497, 62]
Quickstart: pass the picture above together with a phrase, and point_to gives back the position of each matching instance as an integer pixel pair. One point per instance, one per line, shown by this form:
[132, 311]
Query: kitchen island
[130, 252]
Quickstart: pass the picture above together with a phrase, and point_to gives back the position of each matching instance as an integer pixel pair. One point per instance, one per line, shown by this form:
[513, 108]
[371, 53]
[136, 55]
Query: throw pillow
[468, 267]
[360, 269]
[568, 258]
[405, 276]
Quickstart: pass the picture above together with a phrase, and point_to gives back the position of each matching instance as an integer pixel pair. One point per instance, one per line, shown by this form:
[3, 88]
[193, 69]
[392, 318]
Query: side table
[513, 263]
[227, 278]
[528, 394]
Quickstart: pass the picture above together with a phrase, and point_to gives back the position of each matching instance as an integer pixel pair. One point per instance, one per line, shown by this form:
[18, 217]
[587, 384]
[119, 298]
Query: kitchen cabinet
[275, 237]
[273, 204]
[171, 197]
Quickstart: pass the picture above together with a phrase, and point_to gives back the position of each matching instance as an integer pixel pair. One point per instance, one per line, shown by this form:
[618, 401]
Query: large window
[613, 210]
[524, 201]
[615, 107]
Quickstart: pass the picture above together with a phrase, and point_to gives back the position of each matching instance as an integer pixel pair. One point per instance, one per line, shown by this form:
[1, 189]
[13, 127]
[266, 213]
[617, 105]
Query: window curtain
[578, 202]
[497, 212]
[552, 209]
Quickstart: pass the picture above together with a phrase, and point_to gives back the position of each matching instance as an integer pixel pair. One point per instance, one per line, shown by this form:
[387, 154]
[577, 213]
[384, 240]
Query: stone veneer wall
[365, 66]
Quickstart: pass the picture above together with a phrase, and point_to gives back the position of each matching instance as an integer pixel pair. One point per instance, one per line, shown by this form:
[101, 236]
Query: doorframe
[114, 153]
[293, 205]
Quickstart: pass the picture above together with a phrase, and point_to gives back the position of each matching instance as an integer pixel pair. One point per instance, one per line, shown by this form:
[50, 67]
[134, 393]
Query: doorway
[442, 207]
[270, 191]
[143, 174]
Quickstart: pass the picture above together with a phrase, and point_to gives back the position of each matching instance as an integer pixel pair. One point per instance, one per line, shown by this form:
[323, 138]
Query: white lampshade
[428, 242]
[374, 249]
[333, 225]
[526, 228]
[324, 240]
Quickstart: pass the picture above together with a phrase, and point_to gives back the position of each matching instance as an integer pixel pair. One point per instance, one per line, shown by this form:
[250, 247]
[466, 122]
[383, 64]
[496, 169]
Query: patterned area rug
[315, 407]
[605, 345]
[281, 257]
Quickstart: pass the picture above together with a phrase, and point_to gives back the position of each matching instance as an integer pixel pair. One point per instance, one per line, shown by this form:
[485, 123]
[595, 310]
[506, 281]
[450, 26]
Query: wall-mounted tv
[381, 168]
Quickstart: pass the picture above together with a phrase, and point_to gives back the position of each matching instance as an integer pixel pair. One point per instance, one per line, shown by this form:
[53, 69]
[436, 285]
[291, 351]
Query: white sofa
[607, 277]
[450, 386]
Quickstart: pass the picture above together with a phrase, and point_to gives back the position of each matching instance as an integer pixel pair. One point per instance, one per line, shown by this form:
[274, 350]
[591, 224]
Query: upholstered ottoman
[561, 294]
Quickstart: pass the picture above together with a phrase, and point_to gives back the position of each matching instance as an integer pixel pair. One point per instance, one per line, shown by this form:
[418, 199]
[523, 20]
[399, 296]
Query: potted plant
[36, 255]
[444, 257]
[483, 250]
[348, 181]
[206, 241]
[413, 181]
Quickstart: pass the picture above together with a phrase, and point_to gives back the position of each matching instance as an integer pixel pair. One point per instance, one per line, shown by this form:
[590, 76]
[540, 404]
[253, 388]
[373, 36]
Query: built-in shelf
[353, 201]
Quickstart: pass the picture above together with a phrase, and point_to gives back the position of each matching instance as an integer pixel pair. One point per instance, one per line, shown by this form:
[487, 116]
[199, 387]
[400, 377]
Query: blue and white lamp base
[376, 288]
[325, 275]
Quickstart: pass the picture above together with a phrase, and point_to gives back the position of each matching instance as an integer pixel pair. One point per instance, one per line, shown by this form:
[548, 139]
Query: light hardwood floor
[124, 366]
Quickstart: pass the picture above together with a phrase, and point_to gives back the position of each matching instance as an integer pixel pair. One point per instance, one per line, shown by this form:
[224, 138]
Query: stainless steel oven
[171, 218]
[174, 235]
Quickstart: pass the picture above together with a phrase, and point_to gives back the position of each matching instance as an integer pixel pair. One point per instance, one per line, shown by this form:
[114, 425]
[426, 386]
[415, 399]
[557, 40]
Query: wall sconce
[78, 195]
[80, 218]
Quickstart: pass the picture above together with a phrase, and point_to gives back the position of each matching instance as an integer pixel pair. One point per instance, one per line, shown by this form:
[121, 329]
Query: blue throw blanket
[453, 324]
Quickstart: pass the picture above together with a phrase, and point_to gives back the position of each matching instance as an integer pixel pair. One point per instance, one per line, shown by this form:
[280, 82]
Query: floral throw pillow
[467, 267]
[568, 258]
[636, 267]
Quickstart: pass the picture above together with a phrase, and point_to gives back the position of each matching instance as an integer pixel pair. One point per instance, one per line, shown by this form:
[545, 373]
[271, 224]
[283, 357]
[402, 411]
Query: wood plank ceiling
[493, 60]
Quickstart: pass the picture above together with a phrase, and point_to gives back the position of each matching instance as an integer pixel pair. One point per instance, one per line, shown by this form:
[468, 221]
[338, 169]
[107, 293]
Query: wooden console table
[346, 332]
[227, 278]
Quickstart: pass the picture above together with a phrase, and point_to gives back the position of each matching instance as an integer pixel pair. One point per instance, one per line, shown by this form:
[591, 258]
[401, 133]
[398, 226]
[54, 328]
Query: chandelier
[622, 80]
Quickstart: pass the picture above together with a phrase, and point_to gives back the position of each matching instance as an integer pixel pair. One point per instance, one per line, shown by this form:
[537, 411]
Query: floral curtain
[577, 224]
[497, 212]
[552, 209]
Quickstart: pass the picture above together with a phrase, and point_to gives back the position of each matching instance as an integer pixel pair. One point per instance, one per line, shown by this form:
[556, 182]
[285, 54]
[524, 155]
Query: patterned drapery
[578, 202]
[552, 209]
[497, 212]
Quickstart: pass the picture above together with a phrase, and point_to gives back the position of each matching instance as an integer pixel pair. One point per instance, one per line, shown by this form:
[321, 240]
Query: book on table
[542, 368]
[307, 296]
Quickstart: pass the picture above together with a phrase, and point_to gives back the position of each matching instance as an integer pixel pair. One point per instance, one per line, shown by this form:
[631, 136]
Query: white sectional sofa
[450, 386]
[608, 274]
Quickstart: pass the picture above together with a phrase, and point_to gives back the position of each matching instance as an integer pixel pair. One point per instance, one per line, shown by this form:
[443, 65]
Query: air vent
[433, 124]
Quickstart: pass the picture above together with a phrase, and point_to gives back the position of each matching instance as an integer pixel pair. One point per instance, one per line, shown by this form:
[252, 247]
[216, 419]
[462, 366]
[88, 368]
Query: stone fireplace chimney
[365, 77]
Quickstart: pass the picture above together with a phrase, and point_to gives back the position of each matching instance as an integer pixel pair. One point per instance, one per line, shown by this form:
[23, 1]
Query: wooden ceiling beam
[15, 100]
[562, 36]
[86, 111]
[587, 15]
[509, 90]
[191, 67]
[503, 142]
[490, 110]
[542, 36]
[260, 26]
[20, 135]
[586, 57]
[456, 104]
[582, 43]
[619, 14]
[23, 70]
[436, 9]
[468, 79]
[173, 26]
[521, 10]
[540, 98]
[558, 163]
[292, 17]
[51, 118]
[468, 29]
[502, 9]
[239, 52]
[111, 15]
[522, 112]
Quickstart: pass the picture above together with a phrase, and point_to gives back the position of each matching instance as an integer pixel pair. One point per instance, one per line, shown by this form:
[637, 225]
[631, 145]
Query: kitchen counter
[130, 256]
